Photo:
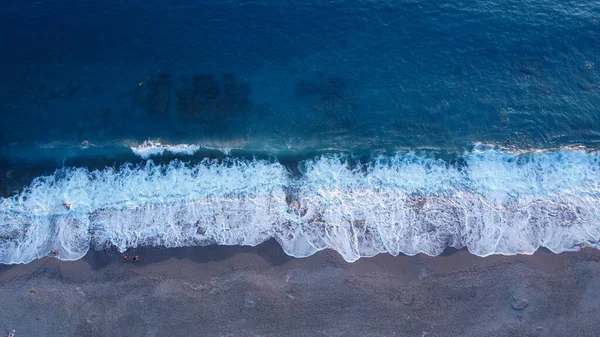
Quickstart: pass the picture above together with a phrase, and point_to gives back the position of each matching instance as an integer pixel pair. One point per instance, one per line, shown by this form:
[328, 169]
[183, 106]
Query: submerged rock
[155, 95]
[201, 98]
[324, 88]
[307, 88]
[328, 94]
[234, 89]
[195, 95]
[205, 87]
[66, 93]
[159, 94]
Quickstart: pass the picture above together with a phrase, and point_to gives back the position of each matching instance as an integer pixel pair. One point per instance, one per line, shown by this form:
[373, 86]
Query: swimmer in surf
[67, 206]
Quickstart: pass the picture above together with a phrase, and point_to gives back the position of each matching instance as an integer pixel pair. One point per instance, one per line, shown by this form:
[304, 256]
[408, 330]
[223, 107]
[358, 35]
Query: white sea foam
[155, 148]
[495, 203]
[151, 148]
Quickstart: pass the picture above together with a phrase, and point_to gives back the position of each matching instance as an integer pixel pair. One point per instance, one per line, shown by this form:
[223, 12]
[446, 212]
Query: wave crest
[494, 203]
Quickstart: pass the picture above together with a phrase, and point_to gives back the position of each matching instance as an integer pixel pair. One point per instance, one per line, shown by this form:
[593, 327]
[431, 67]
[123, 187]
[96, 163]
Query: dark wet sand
[259, 291]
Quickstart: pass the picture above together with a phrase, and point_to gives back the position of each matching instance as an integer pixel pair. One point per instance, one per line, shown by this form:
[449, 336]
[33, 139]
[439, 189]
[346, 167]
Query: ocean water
[362, 126]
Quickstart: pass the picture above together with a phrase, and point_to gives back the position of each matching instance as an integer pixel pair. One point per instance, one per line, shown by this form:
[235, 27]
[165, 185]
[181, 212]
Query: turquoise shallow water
[108, 85]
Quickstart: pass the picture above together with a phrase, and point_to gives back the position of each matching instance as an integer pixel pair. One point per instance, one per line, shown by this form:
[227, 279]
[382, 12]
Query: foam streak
[495, 203]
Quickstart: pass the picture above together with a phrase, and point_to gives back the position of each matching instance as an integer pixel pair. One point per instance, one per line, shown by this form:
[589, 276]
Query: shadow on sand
[269, 250]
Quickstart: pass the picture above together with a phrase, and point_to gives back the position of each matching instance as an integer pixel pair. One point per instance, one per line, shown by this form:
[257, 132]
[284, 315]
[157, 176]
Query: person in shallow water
[125, 258]
[136, 259]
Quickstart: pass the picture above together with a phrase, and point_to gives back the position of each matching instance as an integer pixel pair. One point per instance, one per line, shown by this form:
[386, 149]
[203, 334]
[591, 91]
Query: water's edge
[490, 201]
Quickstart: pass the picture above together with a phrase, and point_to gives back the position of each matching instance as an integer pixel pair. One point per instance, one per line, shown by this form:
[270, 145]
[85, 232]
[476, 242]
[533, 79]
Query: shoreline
[248, 291]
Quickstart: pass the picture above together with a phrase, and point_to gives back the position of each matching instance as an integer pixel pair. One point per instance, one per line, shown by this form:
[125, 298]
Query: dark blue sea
[367, 127]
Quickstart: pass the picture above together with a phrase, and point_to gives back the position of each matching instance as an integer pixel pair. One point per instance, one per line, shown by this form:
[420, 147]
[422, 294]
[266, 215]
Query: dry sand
[260, 291]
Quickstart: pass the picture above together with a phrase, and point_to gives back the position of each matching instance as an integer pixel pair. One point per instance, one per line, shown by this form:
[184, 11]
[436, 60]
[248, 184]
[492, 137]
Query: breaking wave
[151, 148]
[491, 202]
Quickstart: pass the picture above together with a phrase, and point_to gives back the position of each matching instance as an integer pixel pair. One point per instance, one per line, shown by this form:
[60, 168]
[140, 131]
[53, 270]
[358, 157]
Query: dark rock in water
[159, 94]
[528, 70]
[97, 90]
[520, 303]
[69, 94]
[325, 88]
[335, 88]
[234, 89]
[328, 94]
[205, 87]
[196, 95]
[201, 98]
[65, 93]
[155, 95]
[307, 88]
[106, 114]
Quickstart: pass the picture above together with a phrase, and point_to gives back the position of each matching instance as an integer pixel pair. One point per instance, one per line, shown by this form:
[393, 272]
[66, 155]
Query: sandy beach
[260, 291]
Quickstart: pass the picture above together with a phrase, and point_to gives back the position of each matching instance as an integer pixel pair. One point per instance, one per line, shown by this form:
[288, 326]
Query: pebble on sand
[519, 303]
